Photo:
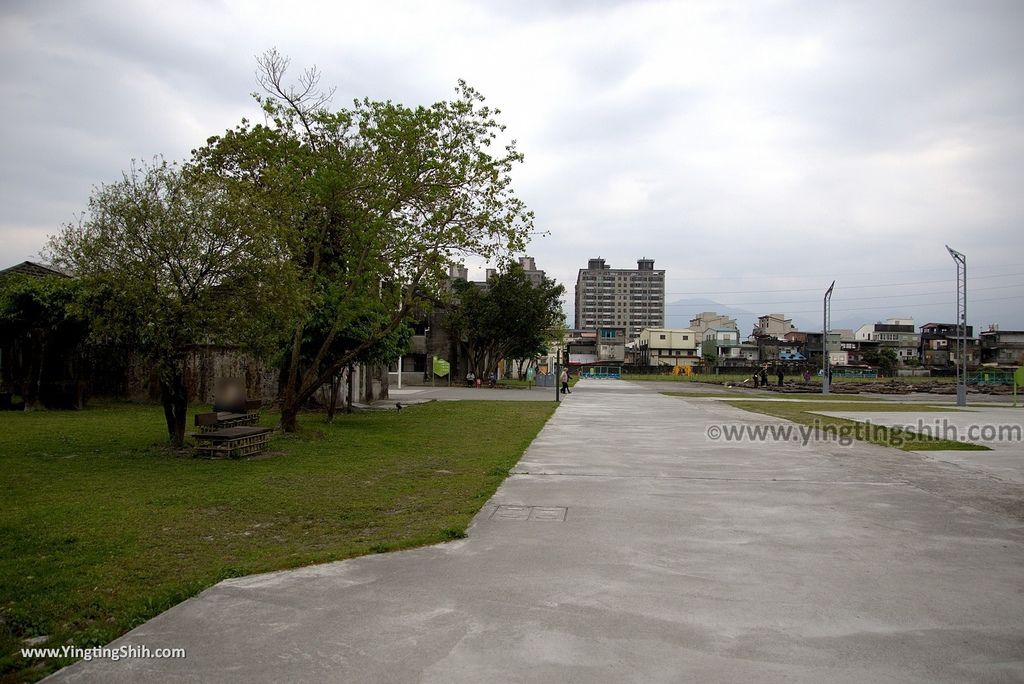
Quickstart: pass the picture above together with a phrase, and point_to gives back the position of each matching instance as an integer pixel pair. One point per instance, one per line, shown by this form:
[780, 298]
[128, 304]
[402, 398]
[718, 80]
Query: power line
[847, 287]
[919, 305]
[822, 275]
[845, 299]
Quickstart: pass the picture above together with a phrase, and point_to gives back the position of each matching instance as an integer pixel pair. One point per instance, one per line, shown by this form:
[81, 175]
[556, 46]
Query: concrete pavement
[626, 546]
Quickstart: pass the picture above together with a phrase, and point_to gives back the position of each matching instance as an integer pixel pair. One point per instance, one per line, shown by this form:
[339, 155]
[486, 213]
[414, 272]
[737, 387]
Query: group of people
[492, 380]
[760, 376]
[472, 381]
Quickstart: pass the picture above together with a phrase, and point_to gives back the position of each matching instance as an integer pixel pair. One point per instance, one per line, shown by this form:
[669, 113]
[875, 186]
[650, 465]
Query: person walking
[764, 375]
[780, 373]
[564, 378]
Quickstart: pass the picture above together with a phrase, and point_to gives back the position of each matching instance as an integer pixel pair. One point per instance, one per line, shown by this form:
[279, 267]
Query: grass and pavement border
[806, 412]
[102, 528]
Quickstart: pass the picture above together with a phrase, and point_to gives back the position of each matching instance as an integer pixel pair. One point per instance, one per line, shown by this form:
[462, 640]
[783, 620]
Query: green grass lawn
[801, 412]
[102, 527]
[736, 394]
[740, 377]
[682, 377]
[697, 377]
[517, 384]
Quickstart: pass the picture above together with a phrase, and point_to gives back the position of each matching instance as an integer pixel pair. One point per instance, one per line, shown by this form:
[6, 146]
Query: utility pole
[961, 323]
[558, 373]
[826, 326]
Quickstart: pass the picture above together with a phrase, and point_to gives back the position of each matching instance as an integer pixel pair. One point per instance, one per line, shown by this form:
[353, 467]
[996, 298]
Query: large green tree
[171, 258]
[883, 357]
[38, 320]
[380, 199]
[511, 318]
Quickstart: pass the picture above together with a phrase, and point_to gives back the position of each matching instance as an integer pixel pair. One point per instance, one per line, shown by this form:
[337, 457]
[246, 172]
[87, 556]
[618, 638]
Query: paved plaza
[628, 547]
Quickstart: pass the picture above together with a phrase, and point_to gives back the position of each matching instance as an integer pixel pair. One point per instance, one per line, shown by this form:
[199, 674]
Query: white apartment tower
[622, 297]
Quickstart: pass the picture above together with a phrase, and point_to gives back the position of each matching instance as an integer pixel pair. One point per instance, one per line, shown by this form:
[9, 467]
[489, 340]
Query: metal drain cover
[538, 513]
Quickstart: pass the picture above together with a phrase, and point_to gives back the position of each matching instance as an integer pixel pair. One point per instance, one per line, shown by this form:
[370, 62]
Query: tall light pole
[826, 325]
[558, 372]
[961, 324]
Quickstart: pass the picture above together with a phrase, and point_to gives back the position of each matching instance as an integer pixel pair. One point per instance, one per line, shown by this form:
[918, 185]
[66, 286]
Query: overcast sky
[756, 150]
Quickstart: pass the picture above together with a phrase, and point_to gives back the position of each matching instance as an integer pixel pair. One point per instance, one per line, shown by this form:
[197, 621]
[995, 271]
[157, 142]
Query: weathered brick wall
[205, 369]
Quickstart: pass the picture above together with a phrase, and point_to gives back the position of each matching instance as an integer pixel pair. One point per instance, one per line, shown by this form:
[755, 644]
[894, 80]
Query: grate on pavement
[536, 513]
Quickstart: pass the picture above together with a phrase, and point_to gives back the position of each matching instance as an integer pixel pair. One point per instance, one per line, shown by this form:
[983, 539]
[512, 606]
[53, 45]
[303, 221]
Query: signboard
[441, 367]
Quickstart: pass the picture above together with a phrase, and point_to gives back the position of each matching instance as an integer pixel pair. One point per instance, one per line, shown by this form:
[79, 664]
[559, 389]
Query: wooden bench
[210, 422]
[232, 442]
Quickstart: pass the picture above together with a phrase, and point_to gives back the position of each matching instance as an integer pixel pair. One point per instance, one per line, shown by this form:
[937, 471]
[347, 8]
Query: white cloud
[758, 145]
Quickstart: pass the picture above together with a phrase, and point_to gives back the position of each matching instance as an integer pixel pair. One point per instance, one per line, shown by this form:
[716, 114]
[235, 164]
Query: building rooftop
[32, 269]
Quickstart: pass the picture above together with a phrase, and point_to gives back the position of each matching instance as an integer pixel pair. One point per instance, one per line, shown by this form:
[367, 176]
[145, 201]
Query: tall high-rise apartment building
[630, 298]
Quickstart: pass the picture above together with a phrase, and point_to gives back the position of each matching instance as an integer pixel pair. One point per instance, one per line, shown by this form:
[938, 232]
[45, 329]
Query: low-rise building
[667, 347]
[940, 345]
[715, 333]
[741, 355]
[897, 334]
[611, 344]
[857, 352]
[604, 345]
[1002, 347]
[773, 349]
[582, 347]
[709, 320]
[717, 341]
[773, 325]
[807, 343]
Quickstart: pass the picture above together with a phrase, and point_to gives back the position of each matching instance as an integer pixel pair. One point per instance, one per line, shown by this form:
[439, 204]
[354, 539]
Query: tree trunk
[282, 380]
[332, 405]
[33, 372]
[174, 398]
[289, 417]
[349, 388]
[385, 381]
[368, 384]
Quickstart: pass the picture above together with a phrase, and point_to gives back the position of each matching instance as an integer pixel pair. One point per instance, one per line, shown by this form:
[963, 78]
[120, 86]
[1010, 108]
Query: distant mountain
[679, 313]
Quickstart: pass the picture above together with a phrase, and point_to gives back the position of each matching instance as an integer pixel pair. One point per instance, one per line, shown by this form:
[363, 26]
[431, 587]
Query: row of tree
[317, 235]
[511, 318]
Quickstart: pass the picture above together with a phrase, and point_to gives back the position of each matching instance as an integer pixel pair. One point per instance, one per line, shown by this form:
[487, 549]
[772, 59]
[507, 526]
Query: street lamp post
[826, 324]
[961, 324]
[558, 372]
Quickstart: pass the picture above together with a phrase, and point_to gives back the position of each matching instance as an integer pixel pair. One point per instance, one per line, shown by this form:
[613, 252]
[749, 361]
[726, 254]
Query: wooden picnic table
[233, 442]
[216, 420]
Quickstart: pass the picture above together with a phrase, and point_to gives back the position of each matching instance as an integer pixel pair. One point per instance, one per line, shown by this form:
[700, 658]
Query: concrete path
[628, 547]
